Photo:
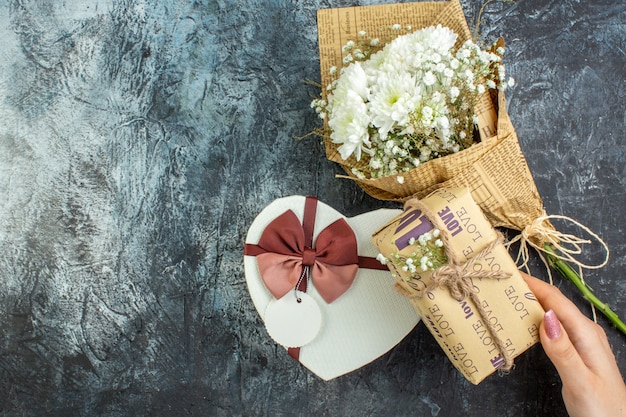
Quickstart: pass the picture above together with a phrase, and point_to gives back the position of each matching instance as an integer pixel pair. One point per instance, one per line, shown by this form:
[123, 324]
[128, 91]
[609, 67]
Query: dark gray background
[139, 139]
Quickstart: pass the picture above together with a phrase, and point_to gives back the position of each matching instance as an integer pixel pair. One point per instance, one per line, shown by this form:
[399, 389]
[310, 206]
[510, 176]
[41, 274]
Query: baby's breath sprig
[366, 45]
[427, 254]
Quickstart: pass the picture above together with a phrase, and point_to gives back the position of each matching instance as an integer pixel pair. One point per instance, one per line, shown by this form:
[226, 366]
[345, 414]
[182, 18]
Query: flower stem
[568, 272]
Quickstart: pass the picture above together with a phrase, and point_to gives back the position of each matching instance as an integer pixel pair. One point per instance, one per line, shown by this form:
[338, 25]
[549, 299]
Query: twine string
[566, 245]
[540, 232]
[458, 279]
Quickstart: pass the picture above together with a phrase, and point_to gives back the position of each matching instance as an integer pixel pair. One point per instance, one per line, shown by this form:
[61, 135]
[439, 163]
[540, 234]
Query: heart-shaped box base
[365, 322]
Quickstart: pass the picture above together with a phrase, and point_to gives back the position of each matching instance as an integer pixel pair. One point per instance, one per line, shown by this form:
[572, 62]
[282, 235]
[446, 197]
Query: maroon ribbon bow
[285, 251]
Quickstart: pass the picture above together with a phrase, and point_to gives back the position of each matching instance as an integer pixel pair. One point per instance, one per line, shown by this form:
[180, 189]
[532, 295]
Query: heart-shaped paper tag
[363, 323]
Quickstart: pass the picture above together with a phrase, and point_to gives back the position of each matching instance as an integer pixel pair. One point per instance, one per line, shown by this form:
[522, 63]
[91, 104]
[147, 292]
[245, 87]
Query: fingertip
[535, 284]
[525, 276]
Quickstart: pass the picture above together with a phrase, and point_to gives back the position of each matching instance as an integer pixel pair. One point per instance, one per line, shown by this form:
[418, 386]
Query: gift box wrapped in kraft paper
[477, 305]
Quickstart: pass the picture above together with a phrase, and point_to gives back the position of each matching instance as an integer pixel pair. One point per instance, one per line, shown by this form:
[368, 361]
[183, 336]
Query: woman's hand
[580, 351]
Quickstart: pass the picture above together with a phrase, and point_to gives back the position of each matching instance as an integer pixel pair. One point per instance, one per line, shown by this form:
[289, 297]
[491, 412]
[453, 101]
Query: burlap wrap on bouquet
[494, 169]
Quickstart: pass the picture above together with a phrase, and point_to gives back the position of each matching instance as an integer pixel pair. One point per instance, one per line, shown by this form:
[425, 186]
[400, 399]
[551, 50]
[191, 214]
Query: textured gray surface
[138, 140]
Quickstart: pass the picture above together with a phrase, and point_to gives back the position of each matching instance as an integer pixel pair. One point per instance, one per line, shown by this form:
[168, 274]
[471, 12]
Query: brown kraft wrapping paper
[459, 326]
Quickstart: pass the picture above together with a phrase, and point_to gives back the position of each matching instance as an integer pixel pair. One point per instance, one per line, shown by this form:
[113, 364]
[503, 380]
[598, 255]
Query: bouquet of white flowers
[412, 100]
[412, 104]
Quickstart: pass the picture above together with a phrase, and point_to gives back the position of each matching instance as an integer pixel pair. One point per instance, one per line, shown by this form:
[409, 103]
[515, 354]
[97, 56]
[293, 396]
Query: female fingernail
[552, 325]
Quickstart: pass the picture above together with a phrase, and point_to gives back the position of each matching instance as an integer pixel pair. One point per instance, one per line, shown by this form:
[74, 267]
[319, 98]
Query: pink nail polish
[552, 325]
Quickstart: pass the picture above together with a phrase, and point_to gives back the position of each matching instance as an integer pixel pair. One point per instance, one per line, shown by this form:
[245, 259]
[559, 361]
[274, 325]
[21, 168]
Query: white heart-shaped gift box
[362, 324]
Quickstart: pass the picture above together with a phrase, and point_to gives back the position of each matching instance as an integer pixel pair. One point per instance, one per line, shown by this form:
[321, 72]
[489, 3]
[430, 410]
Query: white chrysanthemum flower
[391, 102]
[354, 78]
[349, 123]
[442, 38]
[400, 179]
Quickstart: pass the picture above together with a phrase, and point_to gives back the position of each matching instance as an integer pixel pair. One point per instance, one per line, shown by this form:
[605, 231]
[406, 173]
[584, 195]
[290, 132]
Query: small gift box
[316, 284]
[476, 304]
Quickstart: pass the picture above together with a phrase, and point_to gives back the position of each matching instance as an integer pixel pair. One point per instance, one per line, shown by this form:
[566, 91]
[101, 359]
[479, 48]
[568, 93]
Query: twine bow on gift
[457, 278]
